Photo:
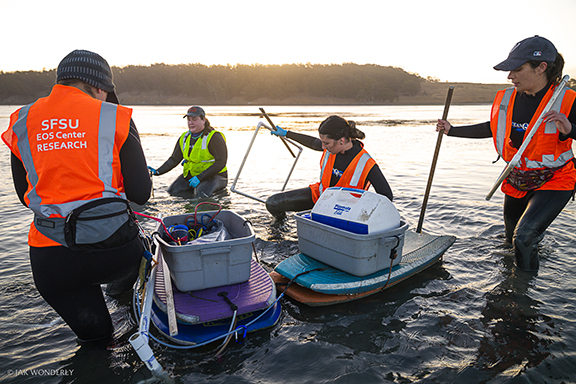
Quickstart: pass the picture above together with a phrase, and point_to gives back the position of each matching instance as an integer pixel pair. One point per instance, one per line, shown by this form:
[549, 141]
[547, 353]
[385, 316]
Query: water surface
[471, 318]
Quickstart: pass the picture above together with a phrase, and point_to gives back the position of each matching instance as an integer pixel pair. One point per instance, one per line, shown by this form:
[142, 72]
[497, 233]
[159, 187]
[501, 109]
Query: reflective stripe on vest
[356, 176]
[359, 169]
[204, 147]
[107, 127]
[502, 115]
[322, 168]
[186, 143]
[549, 162]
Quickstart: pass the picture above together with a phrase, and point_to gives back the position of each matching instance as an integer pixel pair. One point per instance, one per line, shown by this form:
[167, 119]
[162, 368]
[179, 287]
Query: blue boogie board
[328, 285]
[203, 332]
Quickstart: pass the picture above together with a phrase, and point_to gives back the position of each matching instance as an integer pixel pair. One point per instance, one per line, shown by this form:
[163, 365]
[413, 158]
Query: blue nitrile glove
[154, 172]
[194, 182]
[279, 131]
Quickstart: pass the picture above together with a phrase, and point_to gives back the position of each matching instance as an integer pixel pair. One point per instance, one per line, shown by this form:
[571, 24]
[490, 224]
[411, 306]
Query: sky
[450, 40]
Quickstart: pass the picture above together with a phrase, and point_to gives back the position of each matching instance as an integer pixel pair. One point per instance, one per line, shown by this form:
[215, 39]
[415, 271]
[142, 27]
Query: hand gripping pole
[285, 141]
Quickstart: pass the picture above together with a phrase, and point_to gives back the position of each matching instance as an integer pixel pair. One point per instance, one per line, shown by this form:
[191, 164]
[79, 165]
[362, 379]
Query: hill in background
[464, 93]
[288, 84]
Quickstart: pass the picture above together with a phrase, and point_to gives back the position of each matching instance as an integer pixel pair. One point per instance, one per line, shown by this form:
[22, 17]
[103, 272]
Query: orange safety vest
[69, 143]
[354, 175]
[545, 150]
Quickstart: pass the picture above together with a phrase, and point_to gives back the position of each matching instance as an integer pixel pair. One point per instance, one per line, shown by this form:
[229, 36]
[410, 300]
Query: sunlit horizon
[431, 39]
[432, 78]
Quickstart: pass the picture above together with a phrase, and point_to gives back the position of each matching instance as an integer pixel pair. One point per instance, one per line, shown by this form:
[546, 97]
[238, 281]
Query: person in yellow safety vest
[541, 185]
[344, 163]
[73, 149]
[203, 153]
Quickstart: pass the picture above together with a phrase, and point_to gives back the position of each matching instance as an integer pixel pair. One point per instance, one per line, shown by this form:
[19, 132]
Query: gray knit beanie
[87, 66]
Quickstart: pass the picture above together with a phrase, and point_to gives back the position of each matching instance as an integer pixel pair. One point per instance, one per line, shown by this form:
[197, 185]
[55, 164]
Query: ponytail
[335, 127]
[553, 69]
[555, 74]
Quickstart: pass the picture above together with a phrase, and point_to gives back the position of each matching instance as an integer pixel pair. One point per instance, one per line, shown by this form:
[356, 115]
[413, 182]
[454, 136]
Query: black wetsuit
[301, 199]
[210, 179]
[526, 218]
[70, 281]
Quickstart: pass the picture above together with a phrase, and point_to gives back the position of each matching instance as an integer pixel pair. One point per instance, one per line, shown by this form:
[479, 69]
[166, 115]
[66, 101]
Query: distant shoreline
[346, 84]
[431, 93]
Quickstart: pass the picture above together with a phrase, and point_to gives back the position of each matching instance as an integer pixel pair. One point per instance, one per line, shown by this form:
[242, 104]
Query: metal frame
[261, 124]
[140, 340]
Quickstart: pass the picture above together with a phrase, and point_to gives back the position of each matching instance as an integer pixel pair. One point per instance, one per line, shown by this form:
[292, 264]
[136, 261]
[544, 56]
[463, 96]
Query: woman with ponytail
[344, 163]
[541, 185]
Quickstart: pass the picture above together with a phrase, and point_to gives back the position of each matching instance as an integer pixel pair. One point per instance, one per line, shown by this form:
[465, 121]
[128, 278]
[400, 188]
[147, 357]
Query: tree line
[233, 84]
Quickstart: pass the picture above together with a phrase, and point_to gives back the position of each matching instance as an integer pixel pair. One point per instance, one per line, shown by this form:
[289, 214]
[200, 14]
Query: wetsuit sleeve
[572, 119]
[218, 149]
[379, 182]
[571, 135]
[306, 140]
[19, 177]
[173, 160]
[476, 131]
[137, 183]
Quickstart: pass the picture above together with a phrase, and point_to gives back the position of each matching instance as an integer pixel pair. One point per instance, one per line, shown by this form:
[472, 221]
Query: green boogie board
[420, 251]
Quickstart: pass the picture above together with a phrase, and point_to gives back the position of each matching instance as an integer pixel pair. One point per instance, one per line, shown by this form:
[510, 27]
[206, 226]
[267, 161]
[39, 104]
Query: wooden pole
[274, 127]
[434, 160]
[171, 309]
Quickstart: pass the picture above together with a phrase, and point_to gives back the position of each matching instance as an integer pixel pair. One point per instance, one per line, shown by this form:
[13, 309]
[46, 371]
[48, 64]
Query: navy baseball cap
[533, 48]
[195, 112]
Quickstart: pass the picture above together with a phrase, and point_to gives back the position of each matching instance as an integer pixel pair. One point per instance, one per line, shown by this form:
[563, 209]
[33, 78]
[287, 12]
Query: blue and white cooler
[359, 232]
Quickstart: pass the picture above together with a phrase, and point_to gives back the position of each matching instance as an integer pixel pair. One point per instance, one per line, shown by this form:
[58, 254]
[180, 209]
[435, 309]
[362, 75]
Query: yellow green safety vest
[199, 158]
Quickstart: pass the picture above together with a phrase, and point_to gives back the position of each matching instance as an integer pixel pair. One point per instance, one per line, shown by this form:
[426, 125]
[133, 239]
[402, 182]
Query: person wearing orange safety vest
[203, 154]
[541, 185]
[344, 163]
[73, 149]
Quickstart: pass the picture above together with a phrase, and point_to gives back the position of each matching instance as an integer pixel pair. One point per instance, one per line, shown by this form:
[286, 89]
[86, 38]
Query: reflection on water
[471, 318]
[523, 347]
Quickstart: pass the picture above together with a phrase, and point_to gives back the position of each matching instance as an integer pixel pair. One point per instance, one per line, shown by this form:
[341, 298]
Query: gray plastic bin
[200, 266]
[357, 254]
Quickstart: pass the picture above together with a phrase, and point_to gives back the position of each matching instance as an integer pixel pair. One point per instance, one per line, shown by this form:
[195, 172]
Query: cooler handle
[394, 250]
[398, 238]
[352, 190]
[212, 251]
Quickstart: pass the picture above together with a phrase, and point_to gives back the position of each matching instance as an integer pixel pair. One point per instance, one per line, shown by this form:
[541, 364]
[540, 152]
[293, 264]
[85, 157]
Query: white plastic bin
[207, 265]
[357, 254]
[355, 210]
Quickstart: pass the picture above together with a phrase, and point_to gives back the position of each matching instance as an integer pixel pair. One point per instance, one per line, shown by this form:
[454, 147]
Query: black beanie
[87, 66]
